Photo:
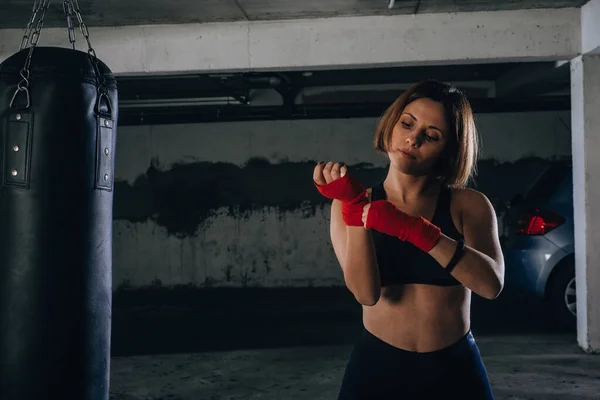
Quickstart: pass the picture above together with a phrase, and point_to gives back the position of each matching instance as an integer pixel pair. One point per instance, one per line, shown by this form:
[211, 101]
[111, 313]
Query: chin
[408, 167]
[401, 165]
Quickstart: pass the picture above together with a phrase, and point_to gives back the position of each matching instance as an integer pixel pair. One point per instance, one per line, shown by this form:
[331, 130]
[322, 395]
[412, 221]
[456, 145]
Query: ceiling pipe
[272, 81]
[184, 102]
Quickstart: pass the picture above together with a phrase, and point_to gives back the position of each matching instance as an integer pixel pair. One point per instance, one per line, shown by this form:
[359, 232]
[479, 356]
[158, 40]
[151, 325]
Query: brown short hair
[459, 160]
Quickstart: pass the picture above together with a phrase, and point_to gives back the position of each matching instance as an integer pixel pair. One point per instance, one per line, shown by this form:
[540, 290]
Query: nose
[413, 139]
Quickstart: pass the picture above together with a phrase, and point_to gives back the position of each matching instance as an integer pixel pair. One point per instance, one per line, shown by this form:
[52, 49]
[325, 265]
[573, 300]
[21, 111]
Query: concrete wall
[232, 204]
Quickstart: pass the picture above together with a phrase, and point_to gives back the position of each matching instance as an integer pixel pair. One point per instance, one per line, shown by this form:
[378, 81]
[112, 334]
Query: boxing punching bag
[58, 134]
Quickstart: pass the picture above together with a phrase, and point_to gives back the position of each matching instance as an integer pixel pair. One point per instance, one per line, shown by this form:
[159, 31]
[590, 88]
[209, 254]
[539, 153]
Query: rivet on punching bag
[58, 126]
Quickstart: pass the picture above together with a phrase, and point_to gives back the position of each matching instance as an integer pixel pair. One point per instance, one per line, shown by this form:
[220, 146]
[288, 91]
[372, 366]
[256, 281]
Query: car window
[547, 184]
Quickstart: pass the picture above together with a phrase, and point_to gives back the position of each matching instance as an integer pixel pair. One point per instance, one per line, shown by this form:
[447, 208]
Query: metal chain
[31, 37]
[32, 34]
[100, 79]
[35, 35]
[68, 9]
[86, 35]
[36, 8]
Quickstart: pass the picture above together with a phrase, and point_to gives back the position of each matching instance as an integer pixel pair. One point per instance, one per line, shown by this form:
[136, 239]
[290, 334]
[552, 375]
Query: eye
[405, 125]
[432, 138]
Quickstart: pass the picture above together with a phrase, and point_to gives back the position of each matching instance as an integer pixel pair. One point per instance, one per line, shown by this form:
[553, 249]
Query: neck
[407, 187]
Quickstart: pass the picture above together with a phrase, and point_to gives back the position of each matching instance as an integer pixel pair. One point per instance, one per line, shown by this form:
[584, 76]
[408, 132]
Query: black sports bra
[401, 262]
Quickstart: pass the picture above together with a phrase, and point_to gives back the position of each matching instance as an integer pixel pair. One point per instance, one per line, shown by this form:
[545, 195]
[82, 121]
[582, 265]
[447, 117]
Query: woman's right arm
[354, 249]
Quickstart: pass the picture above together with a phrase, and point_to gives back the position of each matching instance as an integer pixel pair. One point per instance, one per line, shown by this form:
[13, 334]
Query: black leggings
[378, 370]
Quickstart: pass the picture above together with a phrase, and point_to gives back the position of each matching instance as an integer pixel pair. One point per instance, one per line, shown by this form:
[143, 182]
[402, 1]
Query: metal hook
[103, 95]
[20, 89]
[25, 75]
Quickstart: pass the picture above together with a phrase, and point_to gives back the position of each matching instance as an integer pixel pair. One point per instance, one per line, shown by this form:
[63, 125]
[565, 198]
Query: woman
[413, 248]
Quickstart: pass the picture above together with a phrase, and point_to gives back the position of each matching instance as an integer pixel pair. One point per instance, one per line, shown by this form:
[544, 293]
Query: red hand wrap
[352, 210]
[345, 188]
[386, 218]
[351, 193]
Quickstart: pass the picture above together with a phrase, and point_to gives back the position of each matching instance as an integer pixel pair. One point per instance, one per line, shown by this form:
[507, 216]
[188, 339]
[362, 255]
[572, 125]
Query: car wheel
[561, 293]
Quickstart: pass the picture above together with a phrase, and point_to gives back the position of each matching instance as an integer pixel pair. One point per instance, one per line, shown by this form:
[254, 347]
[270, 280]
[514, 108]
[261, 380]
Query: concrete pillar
[585, 114]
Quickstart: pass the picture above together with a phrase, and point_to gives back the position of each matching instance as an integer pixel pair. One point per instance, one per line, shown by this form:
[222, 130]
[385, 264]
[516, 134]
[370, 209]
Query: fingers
[365, 214]
[318, 174]
[328, 172]
[332, 171]
[336, 170]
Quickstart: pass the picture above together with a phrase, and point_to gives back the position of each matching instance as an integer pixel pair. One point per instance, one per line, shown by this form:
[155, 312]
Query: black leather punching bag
[57, 159]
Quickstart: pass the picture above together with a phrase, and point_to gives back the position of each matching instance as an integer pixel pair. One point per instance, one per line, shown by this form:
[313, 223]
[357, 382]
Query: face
[419, 137]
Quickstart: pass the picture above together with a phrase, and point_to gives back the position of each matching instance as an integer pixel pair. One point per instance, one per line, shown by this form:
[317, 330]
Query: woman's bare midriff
[418, 317]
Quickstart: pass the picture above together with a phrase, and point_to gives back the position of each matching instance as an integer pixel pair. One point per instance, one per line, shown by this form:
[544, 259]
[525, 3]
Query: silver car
[539, 250]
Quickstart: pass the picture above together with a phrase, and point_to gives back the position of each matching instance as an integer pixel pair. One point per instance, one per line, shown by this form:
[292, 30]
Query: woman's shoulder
[470, 200]
[468, 195]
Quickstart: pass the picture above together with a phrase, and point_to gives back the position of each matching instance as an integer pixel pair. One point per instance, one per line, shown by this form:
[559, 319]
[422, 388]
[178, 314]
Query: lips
[406, 154]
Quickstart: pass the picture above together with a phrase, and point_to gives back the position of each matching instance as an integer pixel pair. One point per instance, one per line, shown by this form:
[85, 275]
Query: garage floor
[275, 346]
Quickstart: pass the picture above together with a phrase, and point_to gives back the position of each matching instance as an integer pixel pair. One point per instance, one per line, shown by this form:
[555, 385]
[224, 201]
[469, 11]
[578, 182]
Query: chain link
[35, 35]
[68, 9]
[100, 79]
[86, 35]
[36, 8]
[31, 38]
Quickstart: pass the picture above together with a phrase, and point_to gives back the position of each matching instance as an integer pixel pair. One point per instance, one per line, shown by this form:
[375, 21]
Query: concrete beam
[527, 77]
[590, 28]
[352, 42]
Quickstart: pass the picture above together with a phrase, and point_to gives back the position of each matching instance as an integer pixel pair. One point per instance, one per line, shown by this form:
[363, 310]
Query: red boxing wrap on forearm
[351, 193]
[386, 218]
[352, 210]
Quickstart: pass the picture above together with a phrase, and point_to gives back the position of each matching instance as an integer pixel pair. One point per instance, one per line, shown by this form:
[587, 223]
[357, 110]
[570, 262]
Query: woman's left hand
[383, 216]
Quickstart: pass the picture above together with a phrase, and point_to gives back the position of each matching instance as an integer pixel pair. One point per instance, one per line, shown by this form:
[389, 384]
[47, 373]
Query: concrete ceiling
[16, 13]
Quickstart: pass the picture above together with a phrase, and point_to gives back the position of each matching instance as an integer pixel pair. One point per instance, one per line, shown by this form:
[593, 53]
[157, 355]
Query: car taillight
[539, 222]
